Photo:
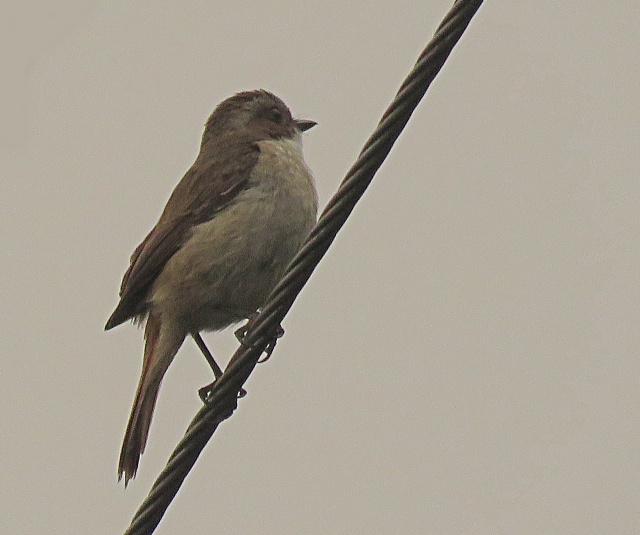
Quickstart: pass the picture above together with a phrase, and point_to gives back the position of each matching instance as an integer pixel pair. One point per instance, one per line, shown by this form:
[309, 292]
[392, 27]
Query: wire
[222, 397]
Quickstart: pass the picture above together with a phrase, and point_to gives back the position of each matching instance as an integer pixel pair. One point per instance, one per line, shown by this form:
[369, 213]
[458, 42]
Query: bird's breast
[229, 264]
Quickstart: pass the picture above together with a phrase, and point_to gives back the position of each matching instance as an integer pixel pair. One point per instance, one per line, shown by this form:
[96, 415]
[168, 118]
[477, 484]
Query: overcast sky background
[466, 357]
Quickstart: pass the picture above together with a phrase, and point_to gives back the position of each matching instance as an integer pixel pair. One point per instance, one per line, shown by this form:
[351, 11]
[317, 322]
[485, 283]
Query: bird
[228, 231]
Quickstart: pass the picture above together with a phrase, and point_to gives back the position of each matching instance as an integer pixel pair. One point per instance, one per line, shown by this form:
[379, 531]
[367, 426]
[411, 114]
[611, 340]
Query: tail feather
[162, 341]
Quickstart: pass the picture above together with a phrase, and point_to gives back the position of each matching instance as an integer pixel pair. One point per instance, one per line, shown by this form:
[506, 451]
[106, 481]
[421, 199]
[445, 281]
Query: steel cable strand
[222, 400]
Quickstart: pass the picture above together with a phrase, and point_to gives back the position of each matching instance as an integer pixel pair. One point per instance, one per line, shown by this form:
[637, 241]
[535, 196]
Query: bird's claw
[205, 393]
[241, 334]
[270, 347]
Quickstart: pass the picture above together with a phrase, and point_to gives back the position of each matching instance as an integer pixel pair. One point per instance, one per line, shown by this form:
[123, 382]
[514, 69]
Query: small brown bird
[228, 231]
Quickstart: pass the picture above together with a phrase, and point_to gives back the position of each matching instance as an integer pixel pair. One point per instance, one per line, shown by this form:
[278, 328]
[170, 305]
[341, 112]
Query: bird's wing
[205, 189]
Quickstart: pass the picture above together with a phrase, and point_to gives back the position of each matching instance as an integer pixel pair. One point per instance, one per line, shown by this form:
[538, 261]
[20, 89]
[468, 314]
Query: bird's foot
[205, 392]
[241, 334]
[272, 345]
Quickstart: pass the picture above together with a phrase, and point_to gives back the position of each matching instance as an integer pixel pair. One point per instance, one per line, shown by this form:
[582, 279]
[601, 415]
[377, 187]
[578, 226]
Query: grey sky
[464, 360]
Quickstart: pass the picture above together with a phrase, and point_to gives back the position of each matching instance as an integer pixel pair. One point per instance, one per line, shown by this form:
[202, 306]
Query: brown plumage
[229, 229]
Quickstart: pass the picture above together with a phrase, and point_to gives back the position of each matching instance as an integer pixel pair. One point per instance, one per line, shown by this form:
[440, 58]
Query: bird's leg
[217, 372]
[240, 333]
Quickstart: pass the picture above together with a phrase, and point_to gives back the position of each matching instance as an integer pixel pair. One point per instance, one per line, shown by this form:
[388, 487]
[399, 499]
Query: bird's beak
[304, 124]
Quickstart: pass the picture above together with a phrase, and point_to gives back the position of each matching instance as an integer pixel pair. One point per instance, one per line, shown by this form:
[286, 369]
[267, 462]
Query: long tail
[162, 341]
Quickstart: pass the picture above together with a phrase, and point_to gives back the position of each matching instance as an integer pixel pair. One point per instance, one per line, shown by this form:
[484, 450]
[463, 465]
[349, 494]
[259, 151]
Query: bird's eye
[274, 114]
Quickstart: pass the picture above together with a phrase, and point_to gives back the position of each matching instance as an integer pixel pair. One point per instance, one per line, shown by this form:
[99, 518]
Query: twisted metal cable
[222, 398]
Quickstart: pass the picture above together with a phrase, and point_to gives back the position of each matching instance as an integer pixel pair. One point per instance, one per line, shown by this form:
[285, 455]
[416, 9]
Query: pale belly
[227, 268]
